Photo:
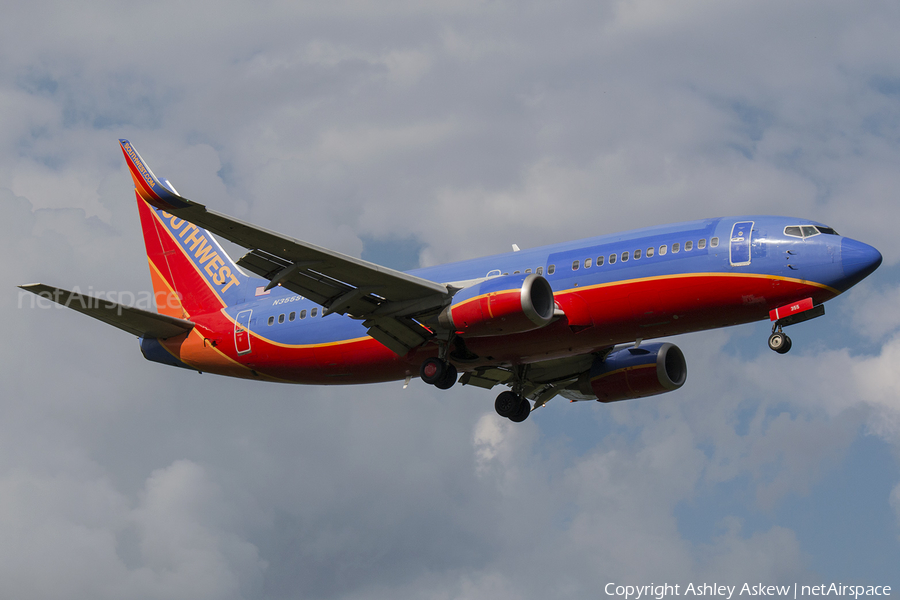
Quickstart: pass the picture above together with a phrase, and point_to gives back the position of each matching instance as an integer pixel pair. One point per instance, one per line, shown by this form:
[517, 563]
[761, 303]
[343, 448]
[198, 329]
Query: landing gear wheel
[523, 411]
[787, 345]
[506, 404]
[448, 379]
[779, 342]
[433, 370]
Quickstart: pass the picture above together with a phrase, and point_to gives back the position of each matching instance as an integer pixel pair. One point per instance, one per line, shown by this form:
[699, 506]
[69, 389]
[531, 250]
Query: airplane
[573, 319]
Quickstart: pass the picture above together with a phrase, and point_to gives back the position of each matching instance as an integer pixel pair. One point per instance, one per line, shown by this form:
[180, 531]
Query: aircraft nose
[858, 261]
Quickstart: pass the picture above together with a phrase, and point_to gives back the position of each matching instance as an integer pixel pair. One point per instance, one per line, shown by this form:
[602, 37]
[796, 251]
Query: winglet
[147, 185]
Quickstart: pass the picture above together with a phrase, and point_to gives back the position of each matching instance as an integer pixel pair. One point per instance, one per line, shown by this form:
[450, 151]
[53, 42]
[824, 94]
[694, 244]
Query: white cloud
[875, 313]
[470, 126]
[185, 536]
[774, 555]
[895, 500]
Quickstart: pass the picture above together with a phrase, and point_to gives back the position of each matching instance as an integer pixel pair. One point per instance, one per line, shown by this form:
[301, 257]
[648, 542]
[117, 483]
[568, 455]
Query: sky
[415, 133]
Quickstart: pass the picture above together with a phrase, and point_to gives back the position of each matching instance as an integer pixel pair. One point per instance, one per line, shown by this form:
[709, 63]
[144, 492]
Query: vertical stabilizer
[191, 272]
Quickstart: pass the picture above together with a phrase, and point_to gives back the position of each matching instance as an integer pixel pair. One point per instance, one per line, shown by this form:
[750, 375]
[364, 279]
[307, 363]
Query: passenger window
[612, 259]
[663, 250]
[576, 264]
[676, 248]
[314, 312]
[292, 316]
[587, 263]
[281, 318]
[515, 272]
[540, 270]
[551, 269]
[650, 252]
[793, 231]
[303, 314]
[527, 271]
[688, 246]
[599, 261]
[506, 273]
[714, 242]
[271, 320]
[637, 254]
[625, 256]
[701, 244]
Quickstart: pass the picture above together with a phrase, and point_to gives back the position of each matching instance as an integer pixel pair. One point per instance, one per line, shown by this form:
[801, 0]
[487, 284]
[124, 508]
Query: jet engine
[629, 372]
[501, 306]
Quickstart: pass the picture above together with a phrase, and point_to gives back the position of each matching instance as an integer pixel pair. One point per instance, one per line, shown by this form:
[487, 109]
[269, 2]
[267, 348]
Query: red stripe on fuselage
[621, 312]
[651, 308]
[362, 360]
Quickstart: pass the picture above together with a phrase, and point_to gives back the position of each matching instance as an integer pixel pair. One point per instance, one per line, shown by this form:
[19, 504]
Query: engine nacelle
[629, 372]
[500, 306]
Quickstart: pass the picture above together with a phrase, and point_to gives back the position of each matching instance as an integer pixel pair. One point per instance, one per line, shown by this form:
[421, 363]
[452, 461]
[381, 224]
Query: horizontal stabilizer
[136, 321]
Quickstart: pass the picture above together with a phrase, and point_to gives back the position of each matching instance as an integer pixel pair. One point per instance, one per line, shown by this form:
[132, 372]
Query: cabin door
[740, 243]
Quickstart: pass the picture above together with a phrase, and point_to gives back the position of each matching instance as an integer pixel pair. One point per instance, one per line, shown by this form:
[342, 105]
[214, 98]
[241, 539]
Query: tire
[449, 377]
[432, 370]
[778, 341]
[786, 347]
[506, 404]
[522, 413]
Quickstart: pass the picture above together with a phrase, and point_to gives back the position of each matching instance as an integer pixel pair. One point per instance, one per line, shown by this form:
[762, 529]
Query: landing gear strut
[439, 373]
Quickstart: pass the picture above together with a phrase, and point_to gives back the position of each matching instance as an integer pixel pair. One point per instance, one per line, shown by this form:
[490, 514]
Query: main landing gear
[512, 406]
[779, 341]
[441, 374]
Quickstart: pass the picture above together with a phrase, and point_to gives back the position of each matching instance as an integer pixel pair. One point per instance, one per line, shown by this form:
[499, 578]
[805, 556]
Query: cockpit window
[809, 231]
[805, 231]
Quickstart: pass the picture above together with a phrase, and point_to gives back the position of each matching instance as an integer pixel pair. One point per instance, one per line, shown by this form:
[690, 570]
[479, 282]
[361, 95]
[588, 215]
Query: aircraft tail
[191, 272]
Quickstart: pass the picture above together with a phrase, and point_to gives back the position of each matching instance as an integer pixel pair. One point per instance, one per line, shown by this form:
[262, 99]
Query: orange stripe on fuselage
[649, 308]
[678, 304]
[197, 349]
[821, 286]
[686, 303]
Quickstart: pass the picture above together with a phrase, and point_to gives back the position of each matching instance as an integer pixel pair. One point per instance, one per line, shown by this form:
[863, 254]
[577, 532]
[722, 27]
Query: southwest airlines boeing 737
[570, 319]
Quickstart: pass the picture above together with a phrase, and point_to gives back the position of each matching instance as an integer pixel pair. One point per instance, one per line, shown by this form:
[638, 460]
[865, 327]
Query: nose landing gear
[791, 314]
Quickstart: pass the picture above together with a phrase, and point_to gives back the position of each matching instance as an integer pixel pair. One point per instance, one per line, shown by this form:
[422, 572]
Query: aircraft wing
[386, 299]
[135, 321]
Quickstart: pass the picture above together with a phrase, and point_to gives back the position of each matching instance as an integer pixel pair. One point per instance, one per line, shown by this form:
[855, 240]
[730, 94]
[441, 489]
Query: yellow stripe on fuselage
[699, 276]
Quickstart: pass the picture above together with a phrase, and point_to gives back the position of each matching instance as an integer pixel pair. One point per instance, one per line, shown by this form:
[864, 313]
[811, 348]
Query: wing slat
[395, 285]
